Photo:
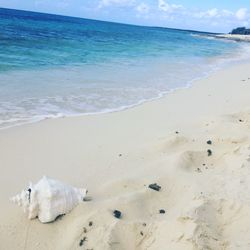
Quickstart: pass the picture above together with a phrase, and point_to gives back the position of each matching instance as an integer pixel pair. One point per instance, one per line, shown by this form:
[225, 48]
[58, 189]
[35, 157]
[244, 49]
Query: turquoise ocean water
[52, 66]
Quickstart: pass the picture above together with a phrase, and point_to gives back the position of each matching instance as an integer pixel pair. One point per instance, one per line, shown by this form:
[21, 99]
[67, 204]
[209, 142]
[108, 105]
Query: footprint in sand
[191, 161]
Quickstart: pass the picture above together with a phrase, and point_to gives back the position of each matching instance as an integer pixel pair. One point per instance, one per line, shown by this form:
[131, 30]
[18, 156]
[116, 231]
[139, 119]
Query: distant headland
[240, 31]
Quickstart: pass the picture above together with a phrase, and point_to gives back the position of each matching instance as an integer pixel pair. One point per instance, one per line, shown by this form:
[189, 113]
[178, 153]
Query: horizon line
[114, 22]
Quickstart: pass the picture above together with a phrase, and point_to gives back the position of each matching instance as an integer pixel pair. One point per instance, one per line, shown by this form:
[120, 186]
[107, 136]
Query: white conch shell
[48, 199]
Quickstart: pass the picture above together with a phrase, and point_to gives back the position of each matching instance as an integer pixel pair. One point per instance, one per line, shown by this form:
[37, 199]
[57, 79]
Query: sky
[203, 15]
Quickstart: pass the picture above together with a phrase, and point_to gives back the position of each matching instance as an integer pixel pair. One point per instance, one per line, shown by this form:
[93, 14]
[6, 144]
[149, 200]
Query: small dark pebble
[85, 230]
[198, 170]
[162, 211]
[117, 214]
[209, 142]
[144, 224]
[240, 120]
[141, 233]
[155, 187]
[120, 155]
[203, 164]
[209, 152]
[90, 223]
[82, 241]
[177, 132]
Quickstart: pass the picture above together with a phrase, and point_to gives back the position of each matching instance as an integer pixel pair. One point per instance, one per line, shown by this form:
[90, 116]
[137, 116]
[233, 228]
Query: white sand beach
[234, 37]
[117, 155]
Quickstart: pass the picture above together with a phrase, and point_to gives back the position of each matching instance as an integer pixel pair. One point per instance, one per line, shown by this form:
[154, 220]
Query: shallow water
[54, 65]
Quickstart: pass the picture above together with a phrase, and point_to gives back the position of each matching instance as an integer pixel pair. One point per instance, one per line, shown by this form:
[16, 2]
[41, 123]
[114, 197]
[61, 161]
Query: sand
[238, 38]
[117, 155]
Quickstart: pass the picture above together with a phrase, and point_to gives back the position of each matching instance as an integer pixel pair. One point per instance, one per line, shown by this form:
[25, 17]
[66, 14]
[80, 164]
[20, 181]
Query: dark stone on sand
[177, 132]
[209, 142]
[117, 214]
[141, 233]
[240, 120]
[162, 211]
[120, 155]
[82, 241]
[209, 152]
[90, 223]
[155, 187]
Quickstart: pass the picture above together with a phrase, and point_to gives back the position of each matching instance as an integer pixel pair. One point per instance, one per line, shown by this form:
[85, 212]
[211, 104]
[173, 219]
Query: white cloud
[166, 7]
[227, 13]
[207, 14]
[213, 12]
[121, 3]
[142, 8]
[242, 14]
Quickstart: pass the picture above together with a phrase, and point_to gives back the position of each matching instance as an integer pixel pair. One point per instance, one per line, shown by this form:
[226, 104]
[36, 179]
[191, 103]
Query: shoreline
[237, 38]
[218, 66]
[106, 112]
[161, 95]
[116, 155]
